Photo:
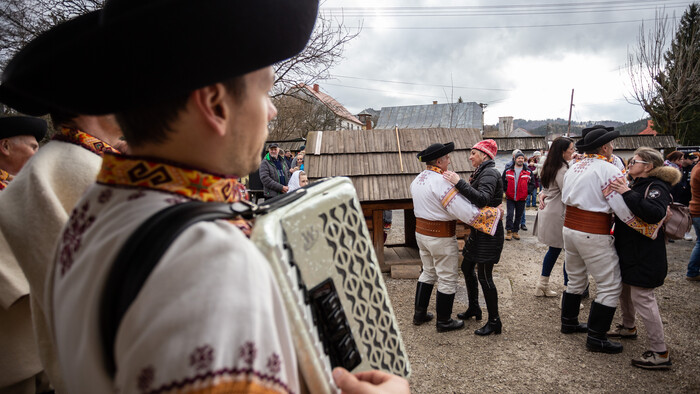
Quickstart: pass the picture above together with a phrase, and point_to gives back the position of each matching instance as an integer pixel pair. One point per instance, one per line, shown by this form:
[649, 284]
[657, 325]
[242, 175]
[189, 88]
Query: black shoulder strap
[142, 252]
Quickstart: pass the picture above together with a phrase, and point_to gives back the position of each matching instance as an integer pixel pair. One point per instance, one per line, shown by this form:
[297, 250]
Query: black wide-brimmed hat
[435, 151]
[139, 52]
[12, 126]
[52, 67]
[596, 136]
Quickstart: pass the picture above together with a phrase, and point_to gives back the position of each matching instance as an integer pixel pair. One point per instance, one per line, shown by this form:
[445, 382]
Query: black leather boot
[472, 295]
[421, 314]
[493, 326]
[599, 321]
[569, 314]
[444, 313]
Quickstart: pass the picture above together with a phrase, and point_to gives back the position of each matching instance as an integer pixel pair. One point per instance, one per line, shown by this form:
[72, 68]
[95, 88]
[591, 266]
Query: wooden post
[409, 228]
[398, 145]
[378, 238]
[571, 106]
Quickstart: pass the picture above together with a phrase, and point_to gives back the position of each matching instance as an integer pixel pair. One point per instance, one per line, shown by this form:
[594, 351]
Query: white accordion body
[321, 253]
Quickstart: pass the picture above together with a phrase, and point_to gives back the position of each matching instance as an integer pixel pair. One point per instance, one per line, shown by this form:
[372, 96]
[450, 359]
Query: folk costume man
[590, 202]
[210, 315]
[19, 141]
[20, 367]
[438, 205]
[42, 196]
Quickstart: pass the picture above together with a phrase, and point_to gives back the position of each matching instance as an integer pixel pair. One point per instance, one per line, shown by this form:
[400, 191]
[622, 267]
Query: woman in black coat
[485, 188]
[643, 264]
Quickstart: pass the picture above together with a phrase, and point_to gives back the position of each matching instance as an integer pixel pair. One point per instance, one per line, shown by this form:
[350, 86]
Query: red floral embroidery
[274, 364]
[105, 196]
[248, 352]
[78, 223]
[146, 378]
[202, 358]
[136, 195]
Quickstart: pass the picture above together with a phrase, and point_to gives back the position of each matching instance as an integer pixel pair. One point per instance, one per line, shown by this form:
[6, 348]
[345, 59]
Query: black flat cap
[596, 136]
[12, 126]
[435, 151]
[139, 52]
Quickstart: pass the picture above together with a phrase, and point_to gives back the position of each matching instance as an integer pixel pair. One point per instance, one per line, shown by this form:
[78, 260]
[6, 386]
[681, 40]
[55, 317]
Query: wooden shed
[625, 145]
[381, 165]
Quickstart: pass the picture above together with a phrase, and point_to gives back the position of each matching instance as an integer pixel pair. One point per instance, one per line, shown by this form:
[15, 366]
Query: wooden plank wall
[371, 158]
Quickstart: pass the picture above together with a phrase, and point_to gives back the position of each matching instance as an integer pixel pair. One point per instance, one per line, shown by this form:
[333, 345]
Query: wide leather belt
[587, 221]
[436, 228]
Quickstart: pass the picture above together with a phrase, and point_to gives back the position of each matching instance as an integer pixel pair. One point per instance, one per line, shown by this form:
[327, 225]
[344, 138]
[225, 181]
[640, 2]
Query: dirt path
[531, 355]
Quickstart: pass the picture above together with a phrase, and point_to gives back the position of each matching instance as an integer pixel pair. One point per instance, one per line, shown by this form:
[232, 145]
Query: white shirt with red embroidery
[587, 186]
[436, 199]
[209, 315]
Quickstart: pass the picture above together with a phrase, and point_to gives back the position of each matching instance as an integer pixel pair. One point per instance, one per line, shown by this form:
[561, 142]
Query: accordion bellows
[321, 253]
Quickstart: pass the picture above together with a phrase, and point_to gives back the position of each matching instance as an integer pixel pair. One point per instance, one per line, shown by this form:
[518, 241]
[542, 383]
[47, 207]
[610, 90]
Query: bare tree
[324, 50]
[297, 114]
[23, 20]
[665, 80]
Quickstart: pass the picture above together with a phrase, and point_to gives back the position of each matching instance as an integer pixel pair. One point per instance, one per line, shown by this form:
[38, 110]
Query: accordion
[319, 247]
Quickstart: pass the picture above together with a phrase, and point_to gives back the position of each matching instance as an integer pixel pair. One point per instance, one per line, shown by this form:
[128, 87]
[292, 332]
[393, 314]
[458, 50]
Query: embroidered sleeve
[622, 211]
[209, 319]
[484, 220]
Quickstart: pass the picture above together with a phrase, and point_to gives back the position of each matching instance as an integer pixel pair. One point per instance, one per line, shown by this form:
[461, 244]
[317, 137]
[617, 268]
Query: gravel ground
[531, 355]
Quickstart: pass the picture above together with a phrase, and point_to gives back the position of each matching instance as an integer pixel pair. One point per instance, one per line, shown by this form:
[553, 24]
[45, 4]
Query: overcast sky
[521, 58]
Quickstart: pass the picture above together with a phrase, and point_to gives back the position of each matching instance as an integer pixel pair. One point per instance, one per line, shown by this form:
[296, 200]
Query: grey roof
[455, 115]
[632, 142]
[369, 111]
[522, 143]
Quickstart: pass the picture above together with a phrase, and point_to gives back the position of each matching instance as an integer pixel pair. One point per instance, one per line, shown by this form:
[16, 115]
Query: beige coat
[36, 205]
[550, 220]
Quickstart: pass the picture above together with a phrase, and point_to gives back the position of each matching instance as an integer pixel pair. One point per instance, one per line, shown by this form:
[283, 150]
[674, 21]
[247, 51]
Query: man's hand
[285, 189]
[369, 382]
[451, 177]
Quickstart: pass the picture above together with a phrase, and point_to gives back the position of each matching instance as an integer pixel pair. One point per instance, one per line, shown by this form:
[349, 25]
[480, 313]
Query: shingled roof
[453, 115]
[632, 142]
[522, 143]
[371, 158]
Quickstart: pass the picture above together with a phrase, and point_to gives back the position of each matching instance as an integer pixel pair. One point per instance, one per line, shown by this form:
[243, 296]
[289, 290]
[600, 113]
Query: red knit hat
[487, 146]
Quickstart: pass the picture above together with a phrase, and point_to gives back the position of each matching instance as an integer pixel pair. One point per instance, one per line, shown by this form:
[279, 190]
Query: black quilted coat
[485, 189]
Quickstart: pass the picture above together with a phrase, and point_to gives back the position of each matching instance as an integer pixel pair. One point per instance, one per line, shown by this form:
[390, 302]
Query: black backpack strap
[142, 252]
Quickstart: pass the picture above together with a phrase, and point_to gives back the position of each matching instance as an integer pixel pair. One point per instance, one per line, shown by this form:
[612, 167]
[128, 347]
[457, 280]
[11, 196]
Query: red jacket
[523, 180]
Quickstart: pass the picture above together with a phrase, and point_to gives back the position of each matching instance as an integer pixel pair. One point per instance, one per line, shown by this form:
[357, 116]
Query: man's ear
[5, 146]
[211, 103]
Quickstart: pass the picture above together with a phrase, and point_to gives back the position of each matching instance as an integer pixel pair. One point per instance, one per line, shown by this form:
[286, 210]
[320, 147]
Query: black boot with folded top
[444, 313]
[421, 314]
[599, 321]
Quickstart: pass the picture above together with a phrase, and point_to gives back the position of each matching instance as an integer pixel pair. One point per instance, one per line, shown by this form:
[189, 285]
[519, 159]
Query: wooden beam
[409, 228]
[378, 238]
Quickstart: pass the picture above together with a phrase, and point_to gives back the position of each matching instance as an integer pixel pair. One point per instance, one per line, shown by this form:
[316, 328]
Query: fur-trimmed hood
[667, 174]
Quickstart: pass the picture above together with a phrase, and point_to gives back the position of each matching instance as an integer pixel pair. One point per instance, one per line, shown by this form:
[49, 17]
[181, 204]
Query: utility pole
[571, 106]
[483, 110]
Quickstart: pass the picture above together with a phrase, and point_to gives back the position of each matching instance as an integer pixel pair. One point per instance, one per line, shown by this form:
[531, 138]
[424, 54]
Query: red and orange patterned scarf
[85, 140]
[142, 173]
[5, 178]
[436, 169]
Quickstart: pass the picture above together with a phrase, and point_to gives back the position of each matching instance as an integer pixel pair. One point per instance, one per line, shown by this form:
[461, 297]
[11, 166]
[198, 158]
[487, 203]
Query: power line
[420, 84]
[505, 27]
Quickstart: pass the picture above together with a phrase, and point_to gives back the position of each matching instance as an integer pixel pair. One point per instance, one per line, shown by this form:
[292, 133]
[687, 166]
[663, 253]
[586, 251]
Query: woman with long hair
[550, 216]
[643, 263]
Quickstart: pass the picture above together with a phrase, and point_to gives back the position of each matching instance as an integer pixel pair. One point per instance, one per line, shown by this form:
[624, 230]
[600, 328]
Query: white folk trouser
[440, 257]
[593, 254]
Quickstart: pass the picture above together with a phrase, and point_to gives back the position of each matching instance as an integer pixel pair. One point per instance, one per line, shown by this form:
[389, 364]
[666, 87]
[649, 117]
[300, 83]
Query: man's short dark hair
[151, 124]
[62, 119]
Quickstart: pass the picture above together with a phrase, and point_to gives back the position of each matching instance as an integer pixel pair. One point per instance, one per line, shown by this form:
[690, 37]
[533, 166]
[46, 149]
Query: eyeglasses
[633, 162]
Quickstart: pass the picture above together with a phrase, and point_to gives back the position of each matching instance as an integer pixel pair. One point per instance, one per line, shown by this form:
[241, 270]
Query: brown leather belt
[436, 228]
[587, 221]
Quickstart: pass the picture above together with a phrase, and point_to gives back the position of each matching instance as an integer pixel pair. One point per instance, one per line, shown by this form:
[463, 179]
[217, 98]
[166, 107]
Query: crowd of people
[606, 214]
[281, 171]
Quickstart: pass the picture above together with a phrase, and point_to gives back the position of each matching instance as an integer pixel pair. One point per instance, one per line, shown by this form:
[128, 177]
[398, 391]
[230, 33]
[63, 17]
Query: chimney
[368, 124]
[434, 102]
[316, 87]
